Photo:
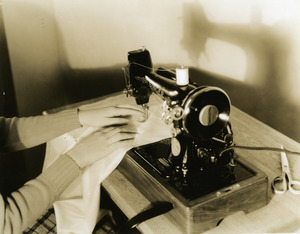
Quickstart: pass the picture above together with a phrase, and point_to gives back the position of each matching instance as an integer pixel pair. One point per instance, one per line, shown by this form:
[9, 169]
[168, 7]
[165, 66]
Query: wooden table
[282, 214]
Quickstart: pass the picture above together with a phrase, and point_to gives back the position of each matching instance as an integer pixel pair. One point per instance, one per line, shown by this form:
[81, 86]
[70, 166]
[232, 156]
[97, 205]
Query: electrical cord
[259, 148]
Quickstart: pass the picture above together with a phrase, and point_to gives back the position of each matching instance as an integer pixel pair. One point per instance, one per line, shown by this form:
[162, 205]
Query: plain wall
[65, 51]
[33, 50]
[7, 94]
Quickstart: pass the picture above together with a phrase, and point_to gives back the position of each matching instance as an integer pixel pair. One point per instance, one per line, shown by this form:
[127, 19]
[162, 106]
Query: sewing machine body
[196, 169]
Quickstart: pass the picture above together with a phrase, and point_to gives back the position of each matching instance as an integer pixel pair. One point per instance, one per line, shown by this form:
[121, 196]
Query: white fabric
[77, 210]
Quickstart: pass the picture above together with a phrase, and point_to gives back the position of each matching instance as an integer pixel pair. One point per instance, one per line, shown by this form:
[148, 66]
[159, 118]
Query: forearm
[23, 207]
[31, 131]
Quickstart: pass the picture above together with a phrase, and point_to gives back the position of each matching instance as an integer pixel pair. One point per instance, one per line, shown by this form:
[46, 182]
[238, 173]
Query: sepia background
[56, 52]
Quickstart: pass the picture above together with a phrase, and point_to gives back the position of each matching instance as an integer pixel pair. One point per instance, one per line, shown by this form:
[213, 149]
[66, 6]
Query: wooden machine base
[202, 213]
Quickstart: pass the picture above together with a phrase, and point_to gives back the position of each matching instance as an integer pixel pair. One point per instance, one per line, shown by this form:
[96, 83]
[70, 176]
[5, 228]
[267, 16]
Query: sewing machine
[197, 169]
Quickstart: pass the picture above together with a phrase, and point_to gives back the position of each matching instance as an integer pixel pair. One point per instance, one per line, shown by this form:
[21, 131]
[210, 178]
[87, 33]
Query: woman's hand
[115, 128]
[108, 116]
[101, 143]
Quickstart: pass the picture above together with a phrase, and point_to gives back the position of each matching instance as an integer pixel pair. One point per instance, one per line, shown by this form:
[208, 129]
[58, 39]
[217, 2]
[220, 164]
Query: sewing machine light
[224, 116]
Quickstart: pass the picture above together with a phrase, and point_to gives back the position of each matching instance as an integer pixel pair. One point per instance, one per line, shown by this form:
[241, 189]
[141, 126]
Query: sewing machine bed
[201, 207]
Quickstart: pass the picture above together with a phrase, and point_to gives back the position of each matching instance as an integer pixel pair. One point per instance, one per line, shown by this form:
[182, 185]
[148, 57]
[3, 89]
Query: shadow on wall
[266, 49]
[84, 84]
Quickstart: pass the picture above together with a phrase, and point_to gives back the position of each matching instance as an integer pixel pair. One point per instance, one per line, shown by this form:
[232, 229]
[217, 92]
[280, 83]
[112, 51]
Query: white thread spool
[182, 76]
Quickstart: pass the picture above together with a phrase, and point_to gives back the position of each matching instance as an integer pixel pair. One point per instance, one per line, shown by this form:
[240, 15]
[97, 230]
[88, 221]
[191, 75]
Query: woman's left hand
[110, 116]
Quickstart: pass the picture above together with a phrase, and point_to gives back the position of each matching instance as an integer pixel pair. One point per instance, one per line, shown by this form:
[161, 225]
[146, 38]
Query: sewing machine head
[199, 114]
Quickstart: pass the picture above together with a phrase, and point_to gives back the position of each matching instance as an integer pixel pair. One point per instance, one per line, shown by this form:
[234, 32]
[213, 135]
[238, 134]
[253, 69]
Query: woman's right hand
[101, 143]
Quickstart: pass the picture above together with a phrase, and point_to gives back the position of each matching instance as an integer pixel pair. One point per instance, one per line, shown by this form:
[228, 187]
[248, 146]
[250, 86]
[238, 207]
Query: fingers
[112, 138]
[122, 136]
[120, 115]
[114, 115]
[116, 121]
[114, 135]
[100, 144]
[124, 111]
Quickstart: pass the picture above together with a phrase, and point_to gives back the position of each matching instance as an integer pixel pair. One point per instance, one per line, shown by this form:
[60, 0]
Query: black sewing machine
[196, 169]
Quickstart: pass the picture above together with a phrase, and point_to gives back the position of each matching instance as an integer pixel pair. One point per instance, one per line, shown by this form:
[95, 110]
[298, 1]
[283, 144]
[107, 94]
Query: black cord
[260, 148]
[156, 209]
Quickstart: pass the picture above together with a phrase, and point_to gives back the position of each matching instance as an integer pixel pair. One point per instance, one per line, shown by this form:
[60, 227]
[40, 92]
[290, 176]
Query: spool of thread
[182, 76]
